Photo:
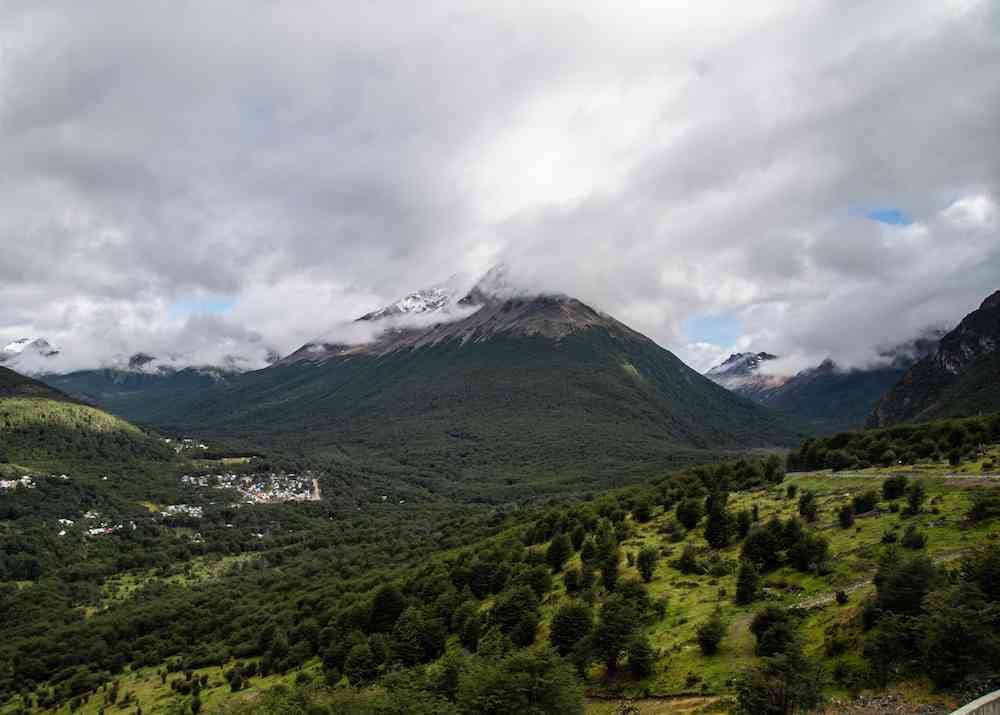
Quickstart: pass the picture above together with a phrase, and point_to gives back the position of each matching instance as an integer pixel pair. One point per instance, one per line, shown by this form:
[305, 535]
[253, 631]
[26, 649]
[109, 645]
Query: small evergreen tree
[747, 583]
[689, 512]
[560, 549]
[915, 496]
[648, 559]
[711, 633]
[807, 506]
[743, 523]
[610, 570]
[571, 624]
[718, 523]
[641, 657]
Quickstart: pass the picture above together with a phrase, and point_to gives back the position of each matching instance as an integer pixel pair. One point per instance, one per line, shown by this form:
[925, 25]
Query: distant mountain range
[541, 389]
[470, 378]
[826, 397]
[37, 356]
[962, 378]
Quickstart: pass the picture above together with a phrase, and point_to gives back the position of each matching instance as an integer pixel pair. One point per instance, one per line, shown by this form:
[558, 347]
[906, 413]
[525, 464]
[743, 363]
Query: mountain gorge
[826, 397]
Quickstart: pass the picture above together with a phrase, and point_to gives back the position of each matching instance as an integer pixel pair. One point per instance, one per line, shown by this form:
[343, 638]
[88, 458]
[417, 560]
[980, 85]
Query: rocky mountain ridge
[961, 378]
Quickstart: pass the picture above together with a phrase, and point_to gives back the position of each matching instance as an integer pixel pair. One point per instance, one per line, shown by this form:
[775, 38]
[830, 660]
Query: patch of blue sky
[201, 305]
[888, 215]
[719, 329]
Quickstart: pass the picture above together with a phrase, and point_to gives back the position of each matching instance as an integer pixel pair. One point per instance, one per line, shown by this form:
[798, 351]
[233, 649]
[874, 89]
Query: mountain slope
[826, 397]
[523, 386]
[961, 378]
[40, 425]
[830, 399]
[13, 384]
[138, 395]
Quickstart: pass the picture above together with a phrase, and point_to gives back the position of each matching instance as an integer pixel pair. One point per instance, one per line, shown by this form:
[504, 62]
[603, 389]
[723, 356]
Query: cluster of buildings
[101, 528]
[195, 512]
[28, 481]
[184, 444]
[23, 482]
[261, 488]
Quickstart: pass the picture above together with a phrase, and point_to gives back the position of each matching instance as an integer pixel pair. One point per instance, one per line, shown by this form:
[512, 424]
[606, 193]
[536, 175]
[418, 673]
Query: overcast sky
[809, 178]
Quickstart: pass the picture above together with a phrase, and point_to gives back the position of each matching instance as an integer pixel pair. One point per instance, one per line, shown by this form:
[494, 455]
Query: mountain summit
[741, 373]
[28, 355]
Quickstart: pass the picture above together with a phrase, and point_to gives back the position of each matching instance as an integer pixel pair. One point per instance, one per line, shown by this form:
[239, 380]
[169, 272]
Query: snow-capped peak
[21, 345]
[741, 372]
[428, 300]
[29, 356]
[741, 363]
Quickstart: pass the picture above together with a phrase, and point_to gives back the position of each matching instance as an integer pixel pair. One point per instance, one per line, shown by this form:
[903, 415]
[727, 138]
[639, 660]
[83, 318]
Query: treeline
[955, 440]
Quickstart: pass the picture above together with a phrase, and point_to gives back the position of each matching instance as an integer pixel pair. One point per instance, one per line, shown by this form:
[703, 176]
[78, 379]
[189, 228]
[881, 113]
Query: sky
[815, 179]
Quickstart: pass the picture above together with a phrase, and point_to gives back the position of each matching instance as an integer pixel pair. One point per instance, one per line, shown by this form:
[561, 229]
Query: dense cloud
[289, 166]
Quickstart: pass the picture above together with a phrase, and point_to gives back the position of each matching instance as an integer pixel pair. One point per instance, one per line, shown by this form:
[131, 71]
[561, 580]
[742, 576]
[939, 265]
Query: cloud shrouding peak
[255, 174]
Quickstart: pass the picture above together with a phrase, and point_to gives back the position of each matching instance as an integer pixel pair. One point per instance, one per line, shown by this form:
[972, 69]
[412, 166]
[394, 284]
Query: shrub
[647, 561]
[913, 539]
[571, 624]
[688, 561]
[916, 494]
[894, 487]
[846, 516]
[864, 503]
[689, 512]
[807, 506]
[747, 583]
[711, 633]
[774, 630]
[641, 657]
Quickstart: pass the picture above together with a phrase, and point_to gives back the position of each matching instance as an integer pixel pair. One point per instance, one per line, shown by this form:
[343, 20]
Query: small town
[28, 481]
[262, 488]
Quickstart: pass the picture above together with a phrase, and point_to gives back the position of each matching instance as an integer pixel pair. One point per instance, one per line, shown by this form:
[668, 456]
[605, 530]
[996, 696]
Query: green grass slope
[41, 427]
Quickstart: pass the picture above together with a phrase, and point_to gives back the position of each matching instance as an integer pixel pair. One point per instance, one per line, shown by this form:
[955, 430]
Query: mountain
[13, 384]
[826, 397]
[144, 386]
[536, 388]
[28, 355]
[962, 378]
[43, 426]
[429, 300]
[740, 372]
[139, 394]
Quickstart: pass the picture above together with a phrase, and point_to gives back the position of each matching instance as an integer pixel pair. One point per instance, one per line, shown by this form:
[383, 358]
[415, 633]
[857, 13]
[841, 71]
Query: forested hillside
[962, 378]
[733, 585]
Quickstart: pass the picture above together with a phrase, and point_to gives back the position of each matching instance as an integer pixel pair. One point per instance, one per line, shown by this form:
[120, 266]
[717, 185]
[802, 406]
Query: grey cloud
[318, 160]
